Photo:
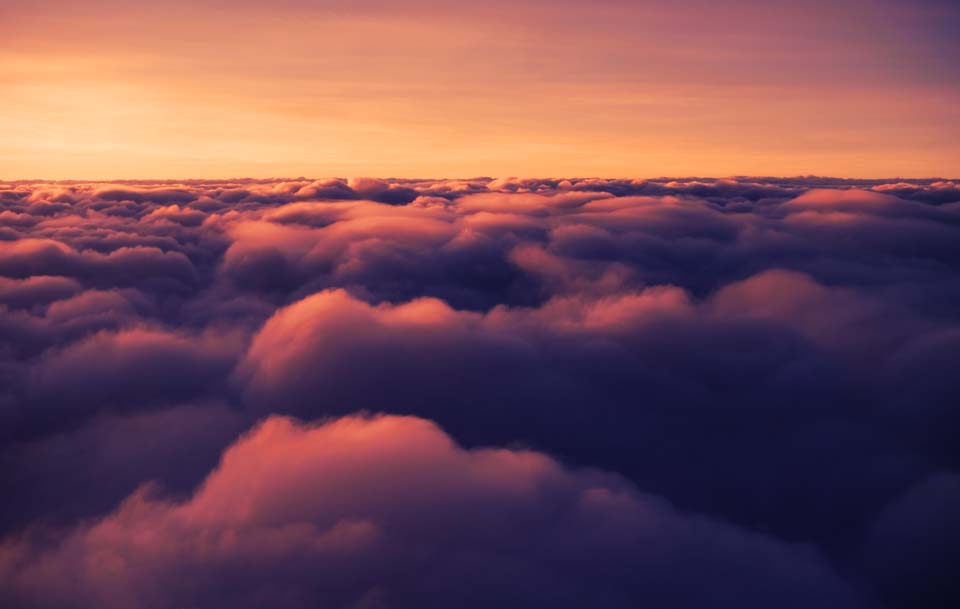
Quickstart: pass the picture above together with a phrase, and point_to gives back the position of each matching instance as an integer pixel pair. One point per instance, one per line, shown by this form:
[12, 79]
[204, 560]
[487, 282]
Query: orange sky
[209, 88]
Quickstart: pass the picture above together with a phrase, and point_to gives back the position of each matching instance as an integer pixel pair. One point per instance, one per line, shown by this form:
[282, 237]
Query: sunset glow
[532, 304]
[229, 89]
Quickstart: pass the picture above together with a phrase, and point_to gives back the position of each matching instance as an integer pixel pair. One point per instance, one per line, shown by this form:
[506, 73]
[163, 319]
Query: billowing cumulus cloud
[764, 366]
[390, 512]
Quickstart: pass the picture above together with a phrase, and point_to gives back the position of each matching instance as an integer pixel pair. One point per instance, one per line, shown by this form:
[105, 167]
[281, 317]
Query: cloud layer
[765, 366]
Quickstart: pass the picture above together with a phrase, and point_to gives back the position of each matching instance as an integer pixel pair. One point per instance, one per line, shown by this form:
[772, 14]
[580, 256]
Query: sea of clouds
[676, 393]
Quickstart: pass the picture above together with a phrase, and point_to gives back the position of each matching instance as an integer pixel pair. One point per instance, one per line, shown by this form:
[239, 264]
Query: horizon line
[479, 177]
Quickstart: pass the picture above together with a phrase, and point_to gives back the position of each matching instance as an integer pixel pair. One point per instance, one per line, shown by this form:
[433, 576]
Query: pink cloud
[390, 508]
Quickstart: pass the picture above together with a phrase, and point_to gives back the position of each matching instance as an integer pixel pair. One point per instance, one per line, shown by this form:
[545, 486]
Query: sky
[548, 304]
[213, 89]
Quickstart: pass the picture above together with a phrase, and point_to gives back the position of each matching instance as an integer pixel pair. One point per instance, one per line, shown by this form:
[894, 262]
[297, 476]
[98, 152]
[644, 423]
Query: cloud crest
[389, 511]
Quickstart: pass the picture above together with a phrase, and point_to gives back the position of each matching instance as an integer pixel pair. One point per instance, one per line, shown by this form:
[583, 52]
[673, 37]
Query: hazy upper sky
[216, 88]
